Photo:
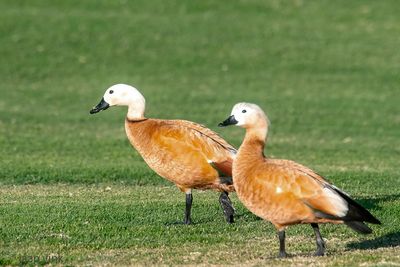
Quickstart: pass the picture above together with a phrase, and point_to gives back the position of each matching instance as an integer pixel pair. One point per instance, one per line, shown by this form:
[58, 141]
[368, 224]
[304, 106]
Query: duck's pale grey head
[122, 95]
[244, 115]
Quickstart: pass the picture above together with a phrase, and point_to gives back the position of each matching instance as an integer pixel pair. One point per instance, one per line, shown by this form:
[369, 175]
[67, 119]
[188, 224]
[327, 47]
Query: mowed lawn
[74, 192]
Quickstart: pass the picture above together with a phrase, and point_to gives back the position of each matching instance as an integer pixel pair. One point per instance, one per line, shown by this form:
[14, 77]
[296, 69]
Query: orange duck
[285, 192]
[183, 152]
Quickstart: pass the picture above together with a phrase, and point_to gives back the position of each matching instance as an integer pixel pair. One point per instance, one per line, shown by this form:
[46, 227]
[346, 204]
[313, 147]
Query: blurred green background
[326, 73]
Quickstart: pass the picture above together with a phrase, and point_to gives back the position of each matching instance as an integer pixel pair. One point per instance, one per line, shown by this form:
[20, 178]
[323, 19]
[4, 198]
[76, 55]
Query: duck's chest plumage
[255, 194]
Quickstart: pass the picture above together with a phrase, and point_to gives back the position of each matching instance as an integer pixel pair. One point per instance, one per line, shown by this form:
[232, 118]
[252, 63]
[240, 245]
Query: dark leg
[282, 251]
[189, 199]
[320, 242]
[226, 205]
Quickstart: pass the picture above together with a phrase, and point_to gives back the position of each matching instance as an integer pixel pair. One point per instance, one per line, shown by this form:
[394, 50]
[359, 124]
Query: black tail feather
[356, 212]
[359, 227]
[355, 216]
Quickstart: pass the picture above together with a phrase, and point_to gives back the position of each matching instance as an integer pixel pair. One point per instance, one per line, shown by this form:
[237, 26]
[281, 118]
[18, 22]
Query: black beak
[103, 105]
[229, 121]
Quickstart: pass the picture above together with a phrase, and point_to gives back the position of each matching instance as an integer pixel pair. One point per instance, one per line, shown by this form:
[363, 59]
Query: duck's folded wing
[308, 187]
[188, 139]
[342, 208]
[209, 136]
[326, 200]
[300, 169]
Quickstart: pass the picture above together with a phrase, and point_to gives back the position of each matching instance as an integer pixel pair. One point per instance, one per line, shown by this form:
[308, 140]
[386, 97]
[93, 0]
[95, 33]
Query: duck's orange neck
[253, 144]
[251, 152]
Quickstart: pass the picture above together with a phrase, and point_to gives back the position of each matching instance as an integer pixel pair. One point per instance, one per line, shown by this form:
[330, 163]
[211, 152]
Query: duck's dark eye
[111, 91]
[244, 111]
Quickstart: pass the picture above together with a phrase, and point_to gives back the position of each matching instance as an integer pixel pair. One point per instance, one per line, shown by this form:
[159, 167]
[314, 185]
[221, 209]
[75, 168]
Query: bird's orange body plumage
[185, 153]
[281, 191]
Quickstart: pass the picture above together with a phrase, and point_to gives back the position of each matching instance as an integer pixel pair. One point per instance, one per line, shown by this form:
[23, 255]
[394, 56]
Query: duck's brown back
[183, 152]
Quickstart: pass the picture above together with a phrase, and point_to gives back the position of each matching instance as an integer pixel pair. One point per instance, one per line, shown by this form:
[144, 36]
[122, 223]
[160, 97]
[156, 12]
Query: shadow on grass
[388, 240]
[374, 203]
[247, 215]
[385, 241]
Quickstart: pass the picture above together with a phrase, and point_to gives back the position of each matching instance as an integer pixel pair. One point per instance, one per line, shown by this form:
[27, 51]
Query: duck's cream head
[123, 95]
[248, 116]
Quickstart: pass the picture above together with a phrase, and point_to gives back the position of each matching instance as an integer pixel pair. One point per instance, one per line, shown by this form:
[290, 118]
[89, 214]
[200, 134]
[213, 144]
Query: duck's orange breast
[181, 151]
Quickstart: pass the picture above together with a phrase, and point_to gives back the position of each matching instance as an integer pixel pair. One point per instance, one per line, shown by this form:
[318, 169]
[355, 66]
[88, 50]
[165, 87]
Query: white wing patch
[337, 201]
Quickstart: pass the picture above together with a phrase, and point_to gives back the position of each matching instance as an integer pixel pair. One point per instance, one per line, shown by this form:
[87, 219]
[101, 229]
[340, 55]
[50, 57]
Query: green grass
[101, 224]
[326, 72]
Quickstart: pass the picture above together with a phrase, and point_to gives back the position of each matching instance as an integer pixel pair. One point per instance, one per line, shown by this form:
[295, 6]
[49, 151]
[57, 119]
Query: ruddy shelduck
[285, 192]
[183, 152]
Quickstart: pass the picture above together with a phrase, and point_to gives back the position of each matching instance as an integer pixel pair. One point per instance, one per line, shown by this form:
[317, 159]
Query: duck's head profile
[245, 115]
[122, 95]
